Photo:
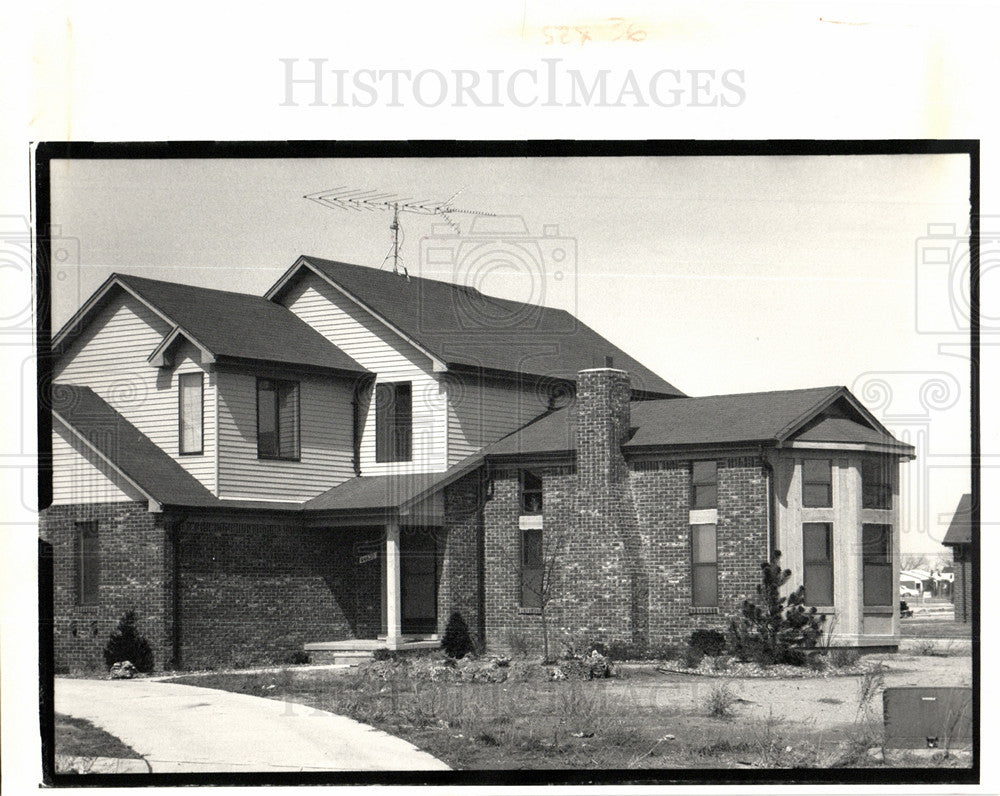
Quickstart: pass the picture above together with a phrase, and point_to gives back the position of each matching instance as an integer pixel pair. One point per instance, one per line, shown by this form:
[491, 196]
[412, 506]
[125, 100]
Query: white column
[393, 608]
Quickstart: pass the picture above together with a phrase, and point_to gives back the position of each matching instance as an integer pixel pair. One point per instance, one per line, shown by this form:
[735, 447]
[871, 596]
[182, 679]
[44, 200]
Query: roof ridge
[195, 287]
[739, 394]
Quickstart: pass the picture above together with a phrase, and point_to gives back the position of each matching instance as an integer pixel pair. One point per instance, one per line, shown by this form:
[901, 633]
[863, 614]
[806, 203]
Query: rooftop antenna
[344, 198]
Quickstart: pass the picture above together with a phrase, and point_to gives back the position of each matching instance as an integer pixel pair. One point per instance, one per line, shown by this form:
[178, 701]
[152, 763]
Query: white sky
[720, 274]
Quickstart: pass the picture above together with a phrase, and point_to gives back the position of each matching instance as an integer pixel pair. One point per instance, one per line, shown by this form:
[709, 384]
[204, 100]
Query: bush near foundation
[125, 644]
[775, 629]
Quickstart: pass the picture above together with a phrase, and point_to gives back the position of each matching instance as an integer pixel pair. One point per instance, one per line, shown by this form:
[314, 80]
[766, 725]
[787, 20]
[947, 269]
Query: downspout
[771, 504]
[356, 426]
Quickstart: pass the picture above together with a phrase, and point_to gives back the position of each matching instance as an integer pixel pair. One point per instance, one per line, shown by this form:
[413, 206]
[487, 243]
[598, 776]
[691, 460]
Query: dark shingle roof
[960, 530]
[128, 448]
[713, 420]
[242, 326]
[463, 327]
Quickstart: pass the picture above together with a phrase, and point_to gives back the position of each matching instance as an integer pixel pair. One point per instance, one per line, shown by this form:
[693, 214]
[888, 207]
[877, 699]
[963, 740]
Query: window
[190, 413]
[88, 563]
[876, 483]
[876, 553]
[277, 419]
[393, 422]
[532, 568]
[531, 493]
[817, 562]
[705, 485]
[704, 567]
[817, 483]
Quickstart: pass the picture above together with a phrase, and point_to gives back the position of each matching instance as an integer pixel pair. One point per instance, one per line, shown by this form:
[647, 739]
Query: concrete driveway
[183, 728]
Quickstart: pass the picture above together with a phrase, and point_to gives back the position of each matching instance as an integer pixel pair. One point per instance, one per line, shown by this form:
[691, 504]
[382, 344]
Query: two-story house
[356, 454]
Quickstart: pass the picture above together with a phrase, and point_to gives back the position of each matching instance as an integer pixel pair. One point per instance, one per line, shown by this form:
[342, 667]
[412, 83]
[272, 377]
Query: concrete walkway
[182, 728]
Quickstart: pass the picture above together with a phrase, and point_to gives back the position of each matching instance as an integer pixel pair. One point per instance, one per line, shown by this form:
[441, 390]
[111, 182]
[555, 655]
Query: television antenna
[344, 198]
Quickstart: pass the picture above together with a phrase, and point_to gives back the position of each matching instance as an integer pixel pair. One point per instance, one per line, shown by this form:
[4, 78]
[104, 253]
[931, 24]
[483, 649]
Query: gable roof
[126, 449]
[758, 418]
[464, 328]
[960, 530]
[225, 325]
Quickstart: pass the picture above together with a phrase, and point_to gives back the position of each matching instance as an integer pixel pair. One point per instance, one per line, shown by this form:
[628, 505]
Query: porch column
[393, 608]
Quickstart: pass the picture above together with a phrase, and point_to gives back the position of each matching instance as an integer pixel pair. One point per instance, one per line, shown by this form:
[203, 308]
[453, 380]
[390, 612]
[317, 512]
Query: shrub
[843, 658]
[383, 654]
[720, 700]
[692, 658]
[457, 642]
[298, 658]
[708, 642]
[125, 644]
[780, 629]
[518, 643]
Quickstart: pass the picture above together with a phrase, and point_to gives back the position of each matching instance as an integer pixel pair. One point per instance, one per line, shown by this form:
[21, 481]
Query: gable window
[704, 567]
[531, 493]
[393, 422]
[817, 483]
[190, 413]
[817, 562]
[876, 483]
[876, 554]
[704, 485]
[532, 568]
[277, 419]
[87, 556]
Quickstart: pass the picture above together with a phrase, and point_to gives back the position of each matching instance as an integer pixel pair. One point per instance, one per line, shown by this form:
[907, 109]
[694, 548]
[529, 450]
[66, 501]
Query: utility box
[921, 718]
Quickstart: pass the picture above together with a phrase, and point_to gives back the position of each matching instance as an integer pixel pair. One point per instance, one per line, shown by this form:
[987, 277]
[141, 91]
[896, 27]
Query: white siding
[483, 412]
[326, 438]
[80, 476]
[110, 358]
[384, 352]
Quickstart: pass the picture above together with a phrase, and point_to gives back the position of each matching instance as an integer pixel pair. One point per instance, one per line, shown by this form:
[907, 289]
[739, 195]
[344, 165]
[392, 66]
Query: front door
[418, 580]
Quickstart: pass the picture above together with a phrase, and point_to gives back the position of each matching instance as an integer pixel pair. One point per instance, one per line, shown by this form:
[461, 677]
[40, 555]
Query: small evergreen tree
[125, 644]
[779, 629]
[457, 642]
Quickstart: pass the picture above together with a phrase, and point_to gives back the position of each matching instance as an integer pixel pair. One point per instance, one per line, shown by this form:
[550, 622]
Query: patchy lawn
[645, 718]
[917, 627]
[79, 738]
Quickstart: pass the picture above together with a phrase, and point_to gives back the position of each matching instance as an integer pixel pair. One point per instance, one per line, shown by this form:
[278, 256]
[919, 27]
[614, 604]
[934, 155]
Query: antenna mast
[344, 198]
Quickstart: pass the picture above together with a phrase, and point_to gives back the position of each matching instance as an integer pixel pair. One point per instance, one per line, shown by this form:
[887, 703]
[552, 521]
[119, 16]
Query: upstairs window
[532, 568]
[277, 419]
[88, 563]
[817, 562]
[704, 485]
[190, 413]
[393, 422]
[876, 554]
[704, 567]
[817, 483]
[876, 483]
[531, 493]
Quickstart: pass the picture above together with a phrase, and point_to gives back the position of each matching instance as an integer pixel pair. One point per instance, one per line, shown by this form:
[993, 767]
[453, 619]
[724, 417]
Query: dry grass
[79, 738]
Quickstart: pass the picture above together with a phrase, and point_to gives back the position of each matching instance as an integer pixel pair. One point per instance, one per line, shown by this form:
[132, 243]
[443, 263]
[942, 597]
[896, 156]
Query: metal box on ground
[920, 718]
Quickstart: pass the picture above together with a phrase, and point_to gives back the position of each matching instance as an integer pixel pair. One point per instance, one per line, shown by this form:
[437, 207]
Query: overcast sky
[720, 274]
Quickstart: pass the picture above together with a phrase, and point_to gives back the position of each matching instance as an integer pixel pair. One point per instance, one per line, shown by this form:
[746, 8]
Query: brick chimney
[602, 426]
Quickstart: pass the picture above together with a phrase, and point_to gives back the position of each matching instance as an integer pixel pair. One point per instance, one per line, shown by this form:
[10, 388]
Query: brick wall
[628, 578]
[460, 551]
[255, 592]
[134, 575]
[962, 587]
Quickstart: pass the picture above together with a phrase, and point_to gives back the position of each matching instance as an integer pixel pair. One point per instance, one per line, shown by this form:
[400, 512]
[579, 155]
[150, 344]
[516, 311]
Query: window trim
[714, 564]
[887, 564]
[828, 484]
[523, 491]
[713, 483]
[394, 454]
[277, 421]
[180, 413]
[523, 569]
[83, 597]
[883, 467]
[826, 562]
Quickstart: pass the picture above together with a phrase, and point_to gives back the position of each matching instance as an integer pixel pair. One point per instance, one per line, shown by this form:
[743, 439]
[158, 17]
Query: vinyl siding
[110, 358]
[325, 443]
[388, 355]
[80, 476]
[481, 412]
